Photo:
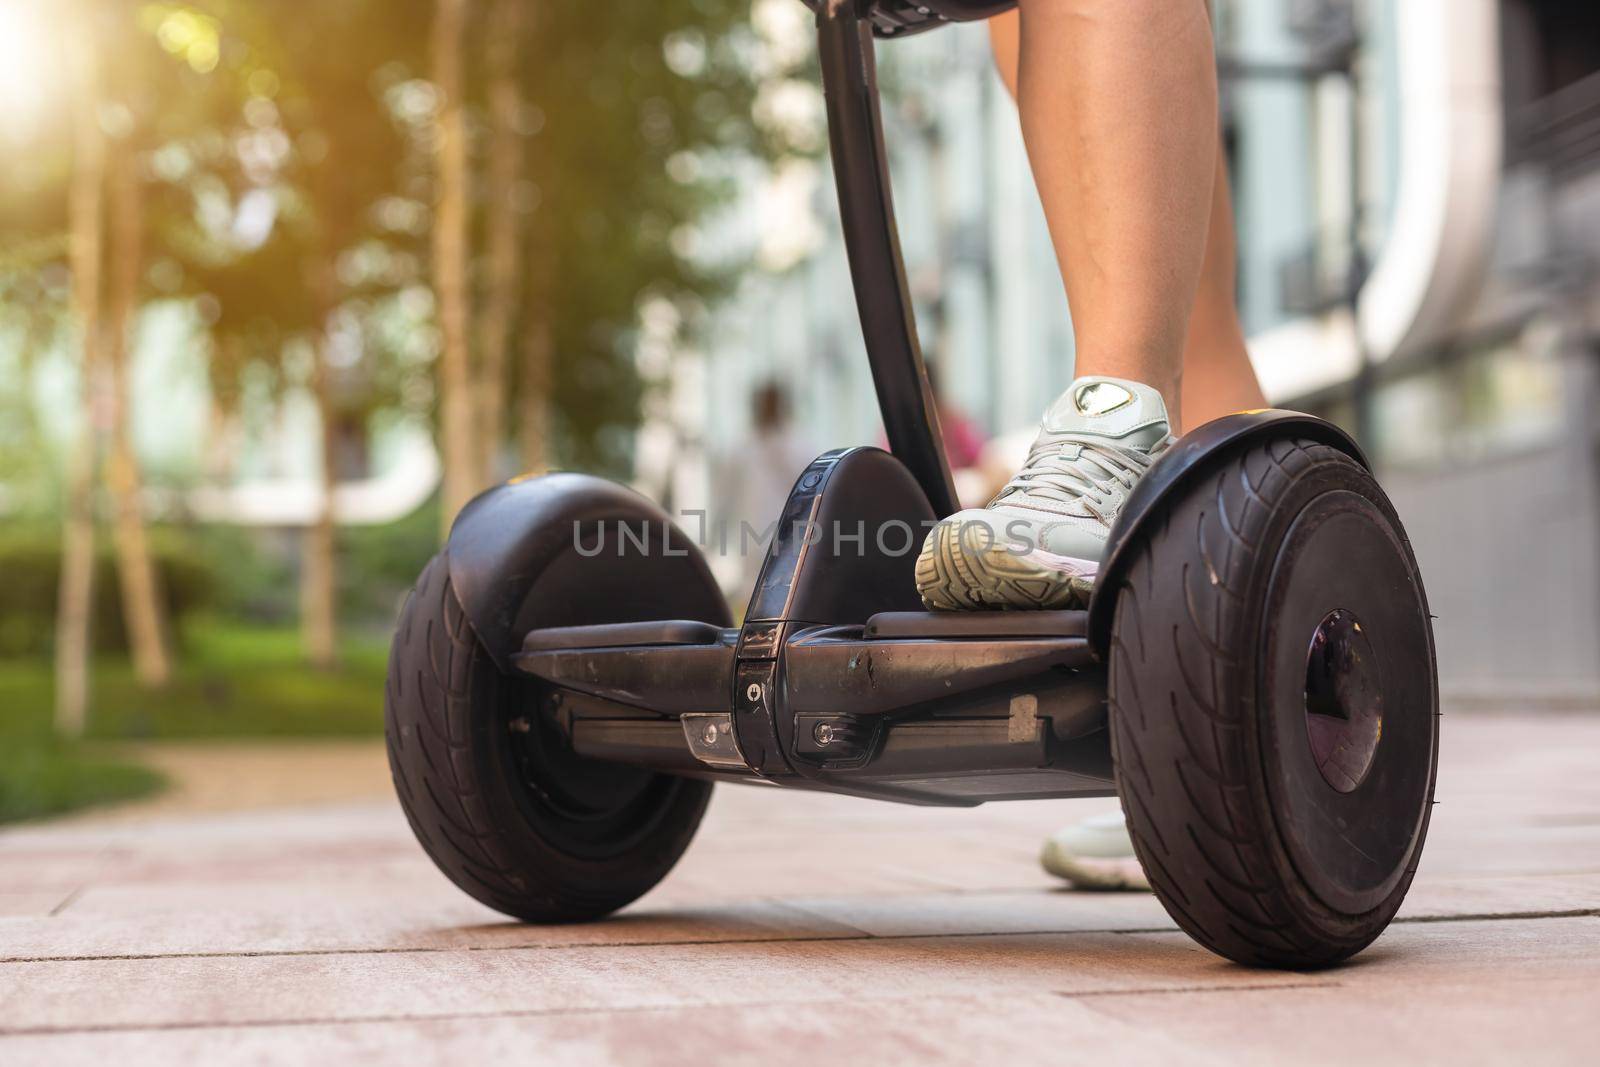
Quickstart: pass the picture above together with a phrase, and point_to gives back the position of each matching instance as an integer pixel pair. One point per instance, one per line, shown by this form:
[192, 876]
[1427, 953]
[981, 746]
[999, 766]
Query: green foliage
[621, 114]
[235, 681]
[31, 566]
[40, 777]
[630, 108]
[286, 155]
[379, 564]
[250, 576]
[252, 572]
[288, 147]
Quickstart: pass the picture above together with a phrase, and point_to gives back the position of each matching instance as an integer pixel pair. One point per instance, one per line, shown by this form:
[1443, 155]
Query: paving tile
[111, 897]
[29, 870]
[1465, 844]
[1038, 911]
[799, 926]
[954, 1031]
[1468, 952]
[257, 989]
[712, 871]
[1501, 895]
[1546, 1022]
[303, 922]
[32, 903]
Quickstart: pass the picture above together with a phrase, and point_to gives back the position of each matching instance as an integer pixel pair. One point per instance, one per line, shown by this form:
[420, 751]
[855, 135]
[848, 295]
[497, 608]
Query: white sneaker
[1094, 854]
[1038, 544]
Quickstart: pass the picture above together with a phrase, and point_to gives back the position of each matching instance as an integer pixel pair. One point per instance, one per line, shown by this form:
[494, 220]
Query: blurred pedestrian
[753, 481]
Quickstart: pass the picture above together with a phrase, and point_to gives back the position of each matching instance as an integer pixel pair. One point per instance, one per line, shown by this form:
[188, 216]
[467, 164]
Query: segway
[1254, 676]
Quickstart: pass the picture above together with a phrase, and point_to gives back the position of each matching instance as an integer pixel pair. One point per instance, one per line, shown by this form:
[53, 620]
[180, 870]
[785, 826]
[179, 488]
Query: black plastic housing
[517, 556]
[837, 679]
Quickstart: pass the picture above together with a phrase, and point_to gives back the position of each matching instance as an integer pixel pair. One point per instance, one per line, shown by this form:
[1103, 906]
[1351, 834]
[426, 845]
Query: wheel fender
[1177, 468]
[538, 534]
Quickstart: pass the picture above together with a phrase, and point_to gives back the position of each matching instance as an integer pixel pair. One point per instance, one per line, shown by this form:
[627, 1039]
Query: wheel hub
[1349, 712]
[1344, 700]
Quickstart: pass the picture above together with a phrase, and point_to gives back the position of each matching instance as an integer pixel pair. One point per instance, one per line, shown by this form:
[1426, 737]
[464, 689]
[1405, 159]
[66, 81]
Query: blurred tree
[287, 172]
[36, 144]
[604, 137]
[86, 230]
[503, 42]
[630, 117]
[346, 154]
[451, 250]
[35, 289]
[220, 201]
[131, 99]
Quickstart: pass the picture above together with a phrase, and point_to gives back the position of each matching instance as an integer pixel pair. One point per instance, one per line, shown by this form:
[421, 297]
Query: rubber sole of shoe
[954, 575]
[1121, 874]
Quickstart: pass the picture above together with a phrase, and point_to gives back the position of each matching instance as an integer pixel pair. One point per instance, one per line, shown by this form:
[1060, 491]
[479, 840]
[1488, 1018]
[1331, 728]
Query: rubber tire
[1207, 838]
[447, 712]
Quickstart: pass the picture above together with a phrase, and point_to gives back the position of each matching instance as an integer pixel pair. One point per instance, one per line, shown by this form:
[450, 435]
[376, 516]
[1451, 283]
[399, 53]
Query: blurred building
[1476, 208]
[1418, 191]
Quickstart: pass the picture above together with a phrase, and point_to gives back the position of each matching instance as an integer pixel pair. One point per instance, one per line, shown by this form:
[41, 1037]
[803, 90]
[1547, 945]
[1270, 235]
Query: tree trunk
[319, 576]
[76, 593]
[142, 606]
[534, 377]
[462, 465]
[503, 229]
[534, 397]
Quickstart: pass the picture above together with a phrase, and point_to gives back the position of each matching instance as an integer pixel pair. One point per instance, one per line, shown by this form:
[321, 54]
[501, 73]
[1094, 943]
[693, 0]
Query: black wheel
[495, 796]
[1274, 706]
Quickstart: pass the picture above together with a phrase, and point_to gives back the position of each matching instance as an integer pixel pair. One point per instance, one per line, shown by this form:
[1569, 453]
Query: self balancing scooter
[1254, 676]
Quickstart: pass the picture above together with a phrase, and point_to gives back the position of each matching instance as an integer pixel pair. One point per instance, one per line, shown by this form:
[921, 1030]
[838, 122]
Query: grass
[233, 681]
[52, 779]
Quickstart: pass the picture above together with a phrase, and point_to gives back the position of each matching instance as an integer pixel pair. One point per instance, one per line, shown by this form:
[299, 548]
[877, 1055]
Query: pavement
[212, 777]
[801, 929]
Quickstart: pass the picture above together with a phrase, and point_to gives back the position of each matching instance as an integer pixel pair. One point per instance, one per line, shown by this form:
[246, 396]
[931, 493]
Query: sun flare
[31, 72]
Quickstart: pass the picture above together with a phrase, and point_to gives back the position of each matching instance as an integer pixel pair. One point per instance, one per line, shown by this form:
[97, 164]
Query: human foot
[1038, 544]
[1096, 853]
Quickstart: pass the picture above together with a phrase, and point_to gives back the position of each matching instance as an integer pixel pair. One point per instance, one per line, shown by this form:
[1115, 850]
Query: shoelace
[1055, 482]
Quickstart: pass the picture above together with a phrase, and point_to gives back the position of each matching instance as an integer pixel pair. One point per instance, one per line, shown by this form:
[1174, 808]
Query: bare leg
[1213, 374]
[1119, 112]
[1217, 376]
[1005, 41]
